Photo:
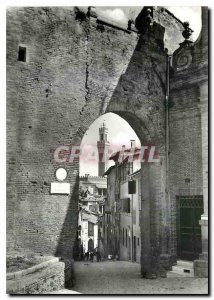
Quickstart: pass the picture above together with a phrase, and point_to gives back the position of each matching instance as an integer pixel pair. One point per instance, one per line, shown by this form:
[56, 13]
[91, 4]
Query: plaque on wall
[62, 188]
[61, 174]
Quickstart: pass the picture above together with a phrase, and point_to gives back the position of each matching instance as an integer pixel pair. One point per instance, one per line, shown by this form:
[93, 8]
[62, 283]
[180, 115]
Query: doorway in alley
[189, 211]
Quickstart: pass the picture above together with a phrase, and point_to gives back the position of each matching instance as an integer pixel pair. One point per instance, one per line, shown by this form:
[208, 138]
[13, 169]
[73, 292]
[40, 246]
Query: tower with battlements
[103, 146]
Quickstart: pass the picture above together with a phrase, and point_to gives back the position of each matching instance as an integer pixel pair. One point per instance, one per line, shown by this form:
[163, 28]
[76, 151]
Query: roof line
[171, 14]
[134, 173]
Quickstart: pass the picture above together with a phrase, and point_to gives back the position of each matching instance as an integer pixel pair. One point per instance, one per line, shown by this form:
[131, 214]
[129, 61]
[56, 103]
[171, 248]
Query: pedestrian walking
[87, 256]
[91, 254]
[98, 256]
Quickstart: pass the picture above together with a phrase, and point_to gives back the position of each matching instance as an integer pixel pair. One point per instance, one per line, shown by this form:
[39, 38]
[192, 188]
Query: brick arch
[138, 98]
[136, 124]
[154, 205]
[137, 94]
[58, 94]
[140, 126]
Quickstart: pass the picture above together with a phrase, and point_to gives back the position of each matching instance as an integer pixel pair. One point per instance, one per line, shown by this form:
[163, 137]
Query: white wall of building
[85, 238]
[95, 235]
[126, 221]
[84, 235]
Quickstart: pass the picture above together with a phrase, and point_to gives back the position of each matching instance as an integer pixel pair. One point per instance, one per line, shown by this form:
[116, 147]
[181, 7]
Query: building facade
[130, 218]
[122, 217]
[92, 197]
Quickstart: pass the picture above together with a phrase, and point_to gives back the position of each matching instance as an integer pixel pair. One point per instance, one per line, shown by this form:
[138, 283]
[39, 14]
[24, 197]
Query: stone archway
[139, 99]
[90, 79]
[156, 239]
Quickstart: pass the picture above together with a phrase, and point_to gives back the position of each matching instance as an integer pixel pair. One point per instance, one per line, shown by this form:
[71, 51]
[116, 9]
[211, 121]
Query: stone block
[201, 268]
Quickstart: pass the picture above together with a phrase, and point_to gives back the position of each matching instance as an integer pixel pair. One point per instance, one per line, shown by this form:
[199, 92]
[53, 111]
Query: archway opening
[119, 133]
[109, 189]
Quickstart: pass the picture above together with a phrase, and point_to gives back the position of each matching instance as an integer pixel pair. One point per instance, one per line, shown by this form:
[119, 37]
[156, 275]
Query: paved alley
[119, 277]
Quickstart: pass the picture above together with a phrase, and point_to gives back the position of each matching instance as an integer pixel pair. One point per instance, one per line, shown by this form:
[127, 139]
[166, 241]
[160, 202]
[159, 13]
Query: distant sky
[120, 133]
[121, 14]
[192, 14]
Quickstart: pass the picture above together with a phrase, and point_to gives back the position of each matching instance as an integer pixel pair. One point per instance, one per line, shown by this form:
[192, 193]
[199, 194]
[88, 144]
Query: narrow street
[120, 277]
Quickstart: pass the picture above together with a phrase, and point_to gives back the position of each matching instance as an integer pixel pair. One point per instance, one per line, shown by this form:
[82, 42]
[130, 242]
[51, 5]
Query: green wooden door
[190, 209]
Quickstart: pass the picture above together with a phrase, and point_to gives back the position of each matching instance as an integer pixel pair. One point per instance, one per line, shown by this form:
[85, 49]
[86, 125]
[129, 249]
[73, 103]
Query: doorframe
[178, 226]
[178, 231]
[134, 248]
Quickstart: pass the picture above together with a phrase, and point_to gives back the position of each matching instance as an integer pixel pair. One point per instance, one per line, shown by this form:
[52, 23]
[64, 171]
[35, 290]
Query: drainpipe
[167, 118]
[167, 131]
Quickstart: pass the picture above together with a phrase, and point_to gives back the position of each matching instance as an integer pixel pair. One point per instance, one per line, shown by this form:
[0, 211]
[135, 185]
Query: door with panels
[189, 211]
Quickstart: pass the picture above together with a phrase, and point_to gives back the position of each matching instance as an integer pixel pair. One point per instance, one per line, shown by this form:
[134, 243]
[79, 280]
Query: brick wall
[186, 122]
[185, 154]
[51, 100]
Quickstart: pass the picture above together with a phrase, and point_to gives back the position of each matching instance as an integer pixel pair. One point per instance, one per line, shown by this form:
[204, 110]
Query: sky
[122, 14]
[120, 132]
[192, 14]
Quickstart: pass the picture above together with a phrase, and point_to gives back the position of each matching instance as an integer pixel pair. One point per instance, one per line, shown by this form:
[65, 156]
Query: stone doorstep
[185, 263]
[176, 274]
[182, 269]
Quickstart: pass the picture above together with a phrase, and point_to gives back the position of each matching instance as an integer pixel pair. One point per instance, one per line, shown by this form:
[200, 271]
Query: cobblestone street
[119, 277]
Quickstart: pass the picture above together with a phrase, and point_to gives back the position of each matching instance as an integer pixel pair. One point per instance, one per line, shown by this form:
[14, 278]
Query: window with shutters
[134, 216]
[125, 205]
[90, 229]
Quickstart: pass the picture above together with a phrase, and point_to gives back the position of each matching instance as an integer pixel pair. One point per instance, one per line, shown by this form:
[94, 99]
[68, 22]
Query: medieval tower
[103, 146]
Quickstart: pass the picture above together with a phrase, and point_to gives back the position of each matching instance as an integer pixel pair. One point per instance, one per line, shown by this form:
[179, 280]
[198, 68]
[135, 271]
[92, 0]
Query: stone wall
[40, 279]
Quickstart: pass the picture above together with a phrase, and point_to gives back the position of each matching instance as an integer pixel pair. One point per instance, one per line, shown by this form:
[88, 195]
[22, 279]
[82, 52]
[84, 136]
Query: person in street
[81, 255]
[98, 256]
[91, 254]
[87, 256]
